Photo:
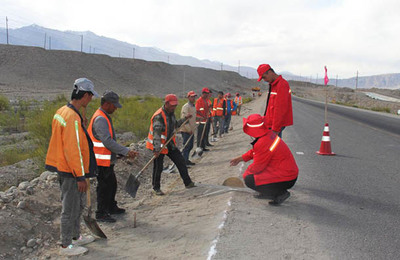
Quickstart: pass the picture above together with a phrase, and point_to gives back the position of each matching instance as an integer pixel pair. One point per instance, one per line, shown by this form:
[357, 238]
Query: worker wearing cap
[239, 102]
[278, 109]
[210, 119]
[106, 149]
[188, 129]
[219, 111]
[274, 169]
[162, 128]
[230, 107]
[202, 112]
[70, 154]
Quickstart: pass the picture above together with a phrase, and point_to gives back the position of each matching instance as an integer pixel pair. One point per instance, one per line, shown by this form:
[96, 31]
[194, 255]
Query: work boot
[117, 210]
[105, 218]
[190, 185]
[82, 240]
[206, 150]
[208, 144]
[159, 192]
[188, 163]
[280, 198]
[263, 196]
[72, 250]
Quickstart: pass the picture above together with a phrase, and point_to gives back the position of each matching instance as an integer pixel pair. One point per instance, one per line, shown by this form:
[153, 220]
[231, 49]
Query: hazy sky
[291, 35]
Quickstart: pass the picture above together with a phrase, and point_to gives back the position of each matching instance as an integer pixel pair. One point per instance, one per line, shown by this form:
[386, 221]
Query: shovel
[89, 221]
[199, 151]
[132, 184]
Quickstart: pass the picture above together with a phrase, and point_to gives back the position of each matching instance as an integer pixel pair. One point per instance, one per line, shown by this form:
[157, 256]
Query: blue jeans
[189, 147]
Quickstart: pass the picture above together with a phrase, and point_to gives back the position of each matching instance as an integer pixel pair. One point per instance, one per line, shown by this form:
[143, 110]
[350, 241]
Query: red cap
[206, 90]
[254, 125]
[191, 94]
[237, 94]
[262, 69]
[171, 99]
[228, 94]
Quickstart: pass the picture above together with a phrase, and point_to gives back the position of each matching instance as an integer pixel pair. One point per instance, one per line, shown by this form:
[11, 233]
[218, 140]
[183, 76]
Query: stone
[30, 191]
[52, 178]
[39, 241]
[35, 181]
[21, 204]
[31, 242]
[11, 189]
[23, 248]
[7, 199]
[23, 185]
[44, 175]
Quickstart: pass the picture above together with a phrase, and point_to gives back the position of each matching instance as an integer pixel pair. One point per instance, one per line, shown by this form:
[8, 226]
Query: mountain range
[89, 42]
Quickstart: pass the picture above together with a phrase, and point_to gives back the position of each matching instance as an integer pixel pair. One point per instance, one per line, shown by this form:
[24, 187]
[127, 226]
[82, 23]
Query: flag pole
[326, 80]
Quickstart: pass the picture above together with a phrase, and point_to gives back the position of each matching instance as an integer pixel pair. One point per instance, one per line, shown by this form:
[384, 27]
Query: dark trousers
[188, 147]
[201, 141]
[106, 189]
[177, 158]
[227, 122]
[271, 189]
[207, 133]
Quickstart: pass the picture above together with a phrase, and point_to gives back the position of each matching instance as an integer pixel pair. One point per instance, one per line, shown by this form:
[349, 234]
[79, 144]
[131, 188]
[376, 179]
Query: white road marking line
[301, 153]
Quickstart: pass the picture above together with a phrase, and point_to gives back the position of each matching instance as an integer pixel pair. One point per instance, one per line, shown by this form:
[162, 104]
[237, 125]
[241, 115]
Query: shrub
[4, 103]
[14, 155]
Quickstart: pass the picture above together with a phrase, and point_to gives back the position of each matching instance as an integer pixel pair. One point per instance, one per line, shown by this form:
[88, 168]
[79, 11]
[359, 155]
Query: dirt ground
[183, 224]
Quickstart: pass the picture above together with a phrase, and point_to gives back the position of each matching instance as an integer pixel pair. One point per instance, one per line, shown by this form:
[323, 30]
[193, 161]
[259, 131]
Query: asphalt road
[343, 207]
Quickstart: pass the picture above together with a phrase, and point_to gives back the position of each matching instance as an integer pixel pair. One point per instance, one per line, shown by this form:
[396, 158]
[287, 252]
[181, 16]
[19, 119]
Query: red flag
[326, 76]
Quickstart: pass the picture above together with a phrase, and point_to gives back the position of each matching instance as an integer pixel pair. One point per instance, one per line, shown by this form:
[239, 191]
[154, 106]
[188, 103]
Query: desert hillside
[32, 72]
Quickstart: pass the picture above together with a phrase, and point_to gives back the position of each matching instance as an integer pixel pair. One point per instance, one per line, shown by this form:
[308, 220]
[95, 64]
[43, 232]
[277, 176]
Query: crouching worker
[274, 169]
[162, 128]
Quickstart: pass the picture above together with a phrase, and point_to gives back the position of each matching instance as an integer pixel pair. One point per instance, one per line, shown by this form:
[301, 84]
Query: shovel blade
[132, 185]
[233, 182]
[93, 226]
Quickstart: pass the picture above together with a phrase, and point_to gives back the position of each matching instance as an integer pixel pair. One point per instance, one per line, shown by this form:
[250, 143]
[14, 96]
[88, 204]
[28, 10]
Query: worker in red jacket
[202, 117]
[278, 110]
[274, 169]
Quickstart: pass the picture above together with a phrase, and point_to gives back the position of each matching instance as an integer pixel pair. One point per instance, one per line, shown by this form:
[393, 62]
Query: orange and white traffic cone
[325, 148]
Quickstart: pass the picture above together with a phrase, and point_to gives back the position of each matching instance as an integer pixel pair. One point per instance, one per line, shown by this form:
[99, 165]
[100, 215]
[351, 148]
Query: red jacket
[279, 112]
[202, 109]
[272, 161]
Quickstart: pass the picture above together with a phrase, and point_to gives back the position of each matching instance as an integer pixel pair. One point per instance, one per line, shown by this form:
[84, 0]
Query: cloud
[300, 36]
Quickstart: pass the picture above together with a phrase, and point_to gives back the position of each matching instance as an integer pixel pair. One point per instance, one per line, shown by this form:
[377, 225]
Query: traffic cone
[325, 148]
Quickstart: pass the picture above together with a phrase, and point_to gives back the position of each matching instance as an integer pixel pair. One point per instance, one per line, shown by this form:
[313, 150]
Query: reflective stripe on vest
[218, 107]
[150, 137]
[102, 154]
[275, 144]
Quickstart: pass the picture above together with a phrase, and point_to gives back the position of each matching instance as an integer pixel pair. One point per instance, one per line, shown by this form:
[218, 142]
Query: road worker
[106, 149]
[210, 119]
[188, 130]
[230, 107]
[219, 111]
[238, 101]
[274, 169]
[202, 112]
[70, 154]
[162, 128]
[278, 110]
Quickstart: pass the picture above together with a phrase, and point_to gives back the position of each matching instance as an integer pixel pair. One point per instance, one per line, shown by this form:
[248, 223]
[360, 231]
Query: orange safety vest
[209, 102]
[238, 100]
[102, 154]
[218, 109]
[150, 137]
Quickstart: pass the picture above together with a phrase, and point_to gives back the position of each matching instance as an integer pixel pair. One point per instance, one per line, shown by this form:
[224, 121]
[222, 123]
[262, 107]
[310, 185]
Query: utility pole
[168, 59]
[239, 68]
[133, 55]
[222, 66]
[45, 39]
[7, 29]
[357, 80]
[90, 48]
[49, 42]
[94, 50]
[316, 80]
[184, 82]
[81, 43]
[336, 81]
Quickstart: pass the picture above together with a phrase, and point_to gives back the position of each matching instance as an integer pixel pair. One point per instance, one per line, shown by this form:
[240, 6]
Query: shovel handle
[88, 193]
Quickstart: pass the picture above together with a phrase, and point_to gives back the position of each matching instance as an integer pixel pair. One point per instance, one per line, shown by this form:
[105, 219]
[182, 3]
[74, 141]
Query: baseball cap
[262, 69]
[191, 94]
[85, 85]
[112, 97]
[171, 99]
[205, 90]
[228, 95]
